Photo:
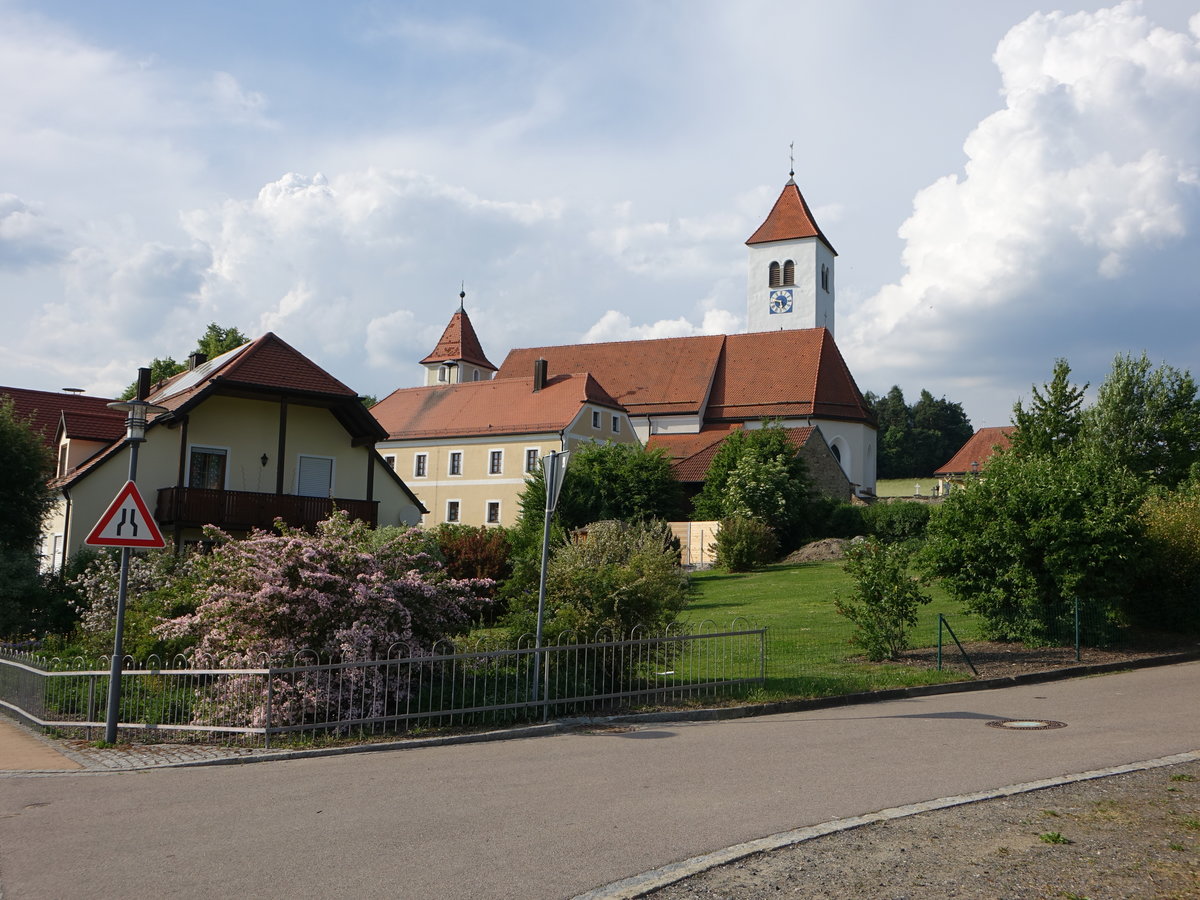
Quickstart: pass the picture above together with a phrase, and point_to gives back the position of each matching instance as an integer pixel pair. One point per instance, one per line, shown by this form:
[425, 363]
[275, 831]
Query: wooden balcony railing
[242, 510]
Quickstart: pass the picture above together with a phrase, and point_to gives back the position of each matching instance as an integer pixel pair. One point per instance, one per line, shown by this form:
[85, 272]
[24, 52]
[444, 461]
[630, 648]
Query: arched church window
[825, 278]
[837, 452]
[774, 275]
[789, 272]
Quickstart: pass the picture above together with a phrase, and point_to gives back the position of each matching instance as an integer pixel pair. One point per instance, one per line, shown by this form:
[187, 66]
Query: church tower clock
[790, 281]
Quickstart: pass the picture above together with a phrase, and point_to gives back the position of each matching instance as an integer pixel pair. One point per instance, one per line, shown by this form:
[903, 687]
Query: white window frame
[192, 448]
[332, 473]
[420, 465]
[616, 424]
[596, 419]
[451, 458]
[536, 460]
[496, 455]
[487, 509]
[390, 459]
[457, 510]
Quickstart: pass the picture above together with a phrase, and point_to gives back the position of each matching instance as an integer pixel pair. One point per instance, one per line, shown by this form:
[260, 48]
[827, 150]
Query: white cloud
[617, 326]
[1089, 170]
[236, 104]
[26, 237]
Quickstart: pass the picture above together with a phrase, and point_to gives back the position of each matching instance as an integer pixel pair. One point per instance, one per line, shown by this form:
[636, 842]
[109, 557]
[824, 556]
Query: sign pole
[114, 673]
[554, 467]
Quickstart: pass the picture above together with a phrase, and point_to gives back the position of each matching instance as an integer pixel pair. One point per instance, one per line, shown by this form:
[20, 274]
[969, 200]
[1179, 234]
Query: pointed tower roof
[459, 343]
[789, 219]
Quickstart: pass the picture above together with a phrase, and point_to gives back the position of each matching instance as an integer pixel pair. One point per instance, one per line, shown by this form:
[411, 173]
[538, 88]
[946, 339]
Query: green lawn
[904, 487]
[809, 650]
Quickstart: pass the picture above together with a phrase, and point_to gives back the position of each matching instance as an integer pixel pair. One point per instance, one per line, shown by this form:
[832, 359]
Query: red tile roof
[46, 409]
[459, 343]
[692, 454]
[501, 406]
[789, 219]
[266, 364]
[785, 374]
[978, 450]
[648, 378]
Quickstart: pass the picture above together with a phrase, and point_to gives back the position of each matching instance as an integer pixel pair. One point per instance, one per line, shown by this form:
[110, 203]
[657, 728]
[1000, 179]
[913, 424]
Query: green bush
[896, 522]
[745, 544]
[1020, 544]
[618, 576]
[883, 605]
[1170, 598]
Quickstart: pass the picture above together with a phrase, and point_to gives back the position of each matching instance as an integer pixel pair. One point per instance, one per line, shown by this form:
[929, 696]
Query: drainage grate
[1025, 724]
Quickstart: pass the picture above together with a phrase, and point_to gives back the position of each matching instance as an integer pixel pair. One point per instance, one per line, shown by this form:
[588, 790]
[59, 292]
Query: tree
[915, 440]
[757, 474]
[883, 603]
[1019, 545]
[1146, 419]
[25, 464]
[215, 341]
[1052, 422]
[625, 482]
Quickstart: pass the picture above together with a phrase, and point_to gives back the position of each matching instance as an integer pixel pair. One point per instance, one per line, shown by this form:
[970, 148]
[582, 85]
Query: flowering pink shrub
[345, 593]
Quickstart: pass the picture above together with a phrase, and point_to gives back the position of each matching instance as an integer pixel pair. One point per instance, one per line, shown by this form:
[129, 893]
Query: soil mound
[820, 551]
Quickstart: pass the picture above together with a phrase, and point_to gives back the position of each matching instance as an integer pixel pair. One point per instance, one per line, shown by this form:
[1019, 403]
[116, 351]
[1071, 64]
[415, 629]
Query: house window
[531, 459]
[616, 424]
[451, 510]
[314, 476]
[493, 512]
[475, 375]
[595, 419]
[825, 278]
[456, 462]
[207, 468]
[420, 465]
[391, 461]
[62, 459]
[773, 276]
[496, 462]
[789, 272]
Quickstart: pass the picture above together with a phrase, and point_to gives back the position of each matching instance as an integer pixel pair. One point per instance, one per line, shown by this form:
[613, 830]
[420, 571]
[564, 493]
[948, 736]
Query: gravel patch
[1134, 835]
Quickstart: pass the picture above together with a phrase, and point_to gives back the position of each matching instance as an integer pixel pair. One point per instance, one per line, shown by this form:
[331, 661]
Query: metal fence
[446, 686]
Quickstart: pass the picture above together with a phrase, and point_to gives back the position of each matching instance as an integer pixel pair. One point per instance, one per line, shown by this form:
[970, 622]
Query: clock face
[781, 301]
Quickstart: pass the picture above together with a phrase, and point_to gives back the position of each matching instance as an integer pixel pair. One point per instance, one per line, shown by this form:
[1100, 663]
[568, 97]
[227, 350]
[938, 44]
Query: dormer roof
[459, 343]
[47, 409]
[790, 219]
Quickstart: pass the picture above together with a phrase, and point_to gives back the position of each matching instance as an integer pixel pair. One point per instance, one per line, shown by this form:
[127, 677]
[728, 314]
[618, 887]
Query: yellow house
[467, 448]
[259, 432]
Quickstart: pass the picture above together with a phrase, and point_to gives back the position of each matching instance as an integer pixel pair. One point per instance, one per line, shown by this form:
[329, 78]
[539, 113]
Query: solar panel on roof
[200, 373]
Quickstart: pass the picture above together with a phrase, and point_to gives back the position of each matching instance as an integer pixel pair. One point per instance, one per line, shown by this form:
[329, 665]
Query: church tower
[458, 356]
[791, 268]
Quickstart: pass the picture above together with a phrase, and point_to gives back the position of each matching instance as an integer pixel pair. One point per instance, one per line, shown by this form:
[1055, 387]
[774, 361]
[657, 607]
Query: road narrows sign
[126, 523]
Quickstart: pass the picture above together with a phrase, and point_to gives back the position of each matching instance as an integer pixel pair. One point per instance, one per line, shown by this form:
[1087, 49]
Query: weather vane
[792, 159]
[462, 296]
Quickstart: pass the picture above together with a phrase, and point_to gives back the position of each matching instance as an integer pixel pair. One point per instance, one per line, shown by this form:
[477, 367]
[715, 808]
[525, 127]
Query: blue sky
[1005, 184]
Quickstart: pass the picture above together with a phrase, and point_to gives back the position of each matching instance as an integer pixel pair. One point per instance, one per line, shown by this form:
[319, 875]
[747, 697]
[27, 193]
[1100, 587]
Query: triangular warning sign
[126, 523]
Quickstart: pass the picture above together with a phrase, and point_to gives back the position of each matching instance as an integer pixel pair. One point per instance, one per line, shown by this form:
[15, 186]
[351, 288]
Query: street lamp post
[137, 411]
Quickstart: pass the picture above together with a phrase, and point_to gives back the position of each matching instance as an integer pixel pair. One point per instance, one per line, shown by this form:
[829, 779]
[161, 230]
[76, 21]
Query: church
[465, 441]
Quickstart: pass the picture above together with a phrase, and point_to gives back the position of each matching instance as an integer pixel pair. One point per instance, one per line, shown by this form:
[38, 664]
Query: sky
[1005, 183]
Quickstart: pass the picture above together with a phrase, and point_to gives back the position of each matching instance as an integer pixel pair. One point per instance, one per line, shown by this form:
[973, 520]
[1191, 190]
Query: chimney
[143, 383]
[539, 374]
[197, 359]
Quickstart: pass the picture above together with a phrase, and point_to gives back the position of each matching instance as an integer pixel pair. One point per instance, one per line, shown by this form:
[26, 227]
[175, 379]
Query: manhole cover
[1025, 724]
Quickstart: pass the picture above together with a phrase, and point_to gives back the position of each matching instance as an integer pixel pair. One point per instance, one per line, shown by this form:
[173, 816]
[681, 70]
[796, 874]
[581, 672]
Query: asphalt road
[557, 816]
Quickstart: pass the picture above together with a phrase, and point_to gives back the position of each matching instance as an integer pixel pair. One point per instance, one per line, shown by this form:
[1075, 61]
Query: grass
[904, 487]
[809, 650]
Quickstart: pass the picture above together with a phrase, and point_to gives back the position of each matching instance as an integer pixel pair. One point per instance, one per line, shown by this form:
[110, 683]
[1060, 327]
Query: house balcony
[184, 507]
